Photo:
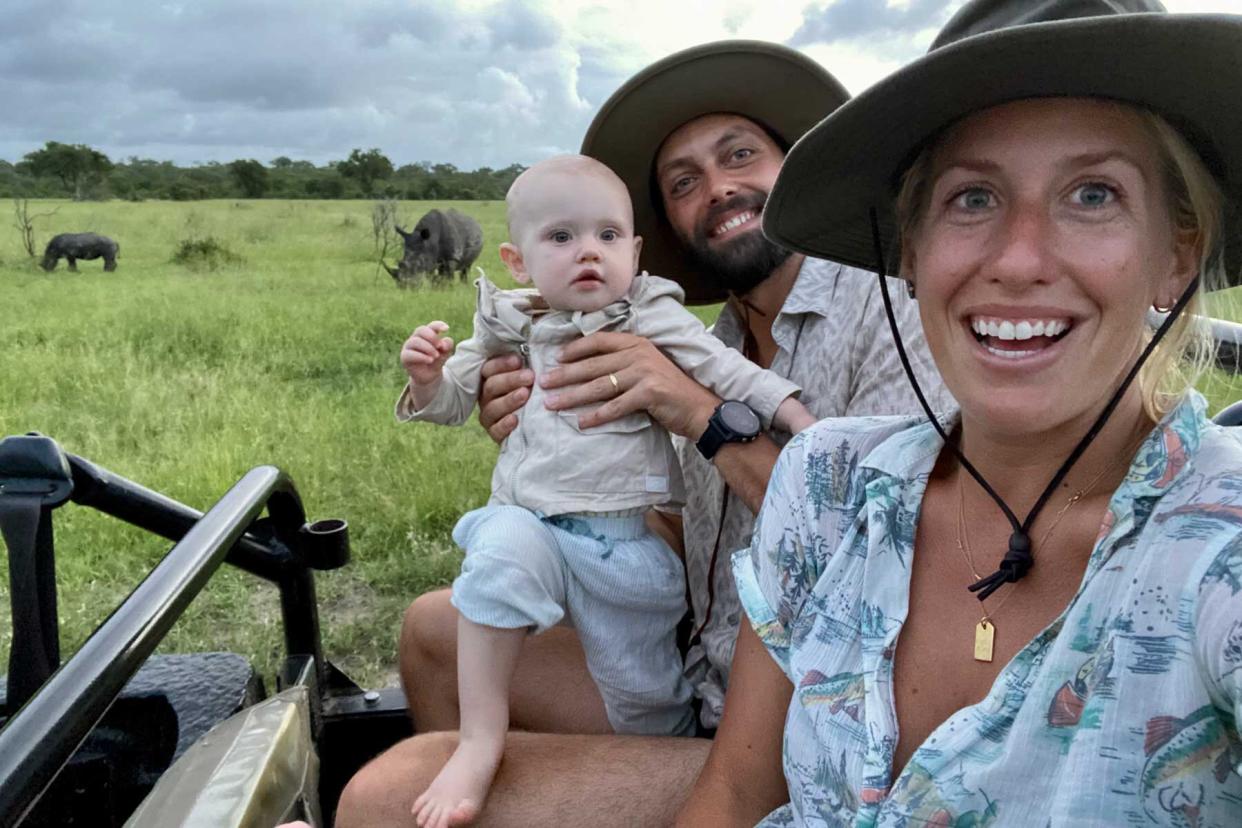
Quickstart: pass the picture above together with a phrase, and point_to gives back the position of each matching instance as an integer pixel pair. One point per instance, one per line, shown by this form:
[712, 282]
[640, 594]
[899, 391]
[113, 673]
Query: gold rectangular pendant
[984, 633]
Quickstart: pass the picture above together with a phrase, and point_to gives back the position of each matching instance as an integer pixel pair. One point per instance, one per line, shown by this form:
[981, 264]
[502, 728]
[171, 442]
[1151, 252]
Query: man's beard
[741, 263]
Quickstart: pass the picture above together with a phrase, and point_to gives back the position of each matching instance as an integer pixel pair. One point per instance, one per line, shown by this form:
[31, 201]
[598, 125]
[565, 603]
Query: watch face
[739, 418]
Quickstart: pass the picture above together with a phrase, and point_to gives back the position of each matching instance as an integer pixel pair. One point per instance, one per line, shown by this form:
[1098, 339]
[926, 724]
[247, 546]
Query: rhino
[74, 246]
[441, 243]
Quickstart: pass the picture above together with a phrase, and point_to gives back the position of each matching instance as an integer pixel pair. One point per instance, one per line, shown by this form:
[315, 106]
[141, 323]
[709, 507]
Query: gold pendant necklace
[984, 638]
[985, 630]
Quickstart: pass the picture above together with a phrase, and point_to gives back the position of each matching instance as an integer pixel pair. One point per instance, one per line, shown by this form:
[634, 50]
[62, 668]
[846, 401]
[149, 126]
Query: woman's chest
[952, 646]
[1086, 716]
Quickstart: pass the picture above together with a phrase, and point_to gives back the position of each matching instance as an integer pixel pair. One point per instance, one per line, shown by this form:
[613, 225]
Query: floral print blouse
[1124, 711]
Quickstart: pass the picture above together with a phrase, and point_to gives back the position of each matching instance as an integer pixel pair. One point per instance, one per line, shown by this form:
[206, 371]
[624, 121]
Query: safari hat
[1185, 67]
[779, 88]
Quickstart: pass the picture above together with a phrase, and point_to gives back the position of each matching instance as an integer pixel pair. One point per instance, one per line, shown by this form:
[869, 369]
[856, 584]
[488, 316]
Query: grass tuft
[206, 254]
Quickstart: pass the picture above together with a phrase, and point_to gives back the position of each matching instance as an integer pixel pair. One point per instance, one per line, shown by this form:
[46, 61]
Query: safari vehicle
[116, 736]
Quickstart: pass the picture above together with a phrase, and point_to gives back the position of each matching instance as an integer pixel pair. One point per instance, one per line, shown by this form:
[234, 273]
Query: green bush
[205, 254]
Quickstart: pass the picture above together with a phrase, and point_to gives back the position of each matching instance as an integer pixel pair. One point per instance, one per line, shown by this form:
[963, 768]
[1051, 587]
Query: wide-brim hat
[1187, 68]
[779, 88]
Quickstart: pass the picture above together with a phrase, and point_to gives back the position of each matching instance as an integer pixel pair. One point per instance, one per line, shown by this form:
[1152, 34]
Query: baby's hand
[792, 416]
[424, 353]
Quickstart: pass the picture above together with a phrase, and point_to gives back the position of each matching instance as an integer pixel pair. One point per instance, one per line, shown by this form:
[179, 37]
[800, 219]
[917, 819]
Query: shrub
[206, 253]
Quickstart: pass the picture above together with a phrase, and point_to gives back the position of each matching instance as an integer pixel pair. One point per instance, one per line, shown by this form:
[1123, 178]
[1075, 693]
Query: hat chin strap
[1018, 559]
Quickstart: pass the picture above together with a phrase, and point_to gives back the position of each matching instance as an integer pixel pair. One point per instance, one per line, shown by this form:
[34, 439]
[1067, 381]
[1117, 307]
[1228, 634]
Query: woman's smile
[1019, 340]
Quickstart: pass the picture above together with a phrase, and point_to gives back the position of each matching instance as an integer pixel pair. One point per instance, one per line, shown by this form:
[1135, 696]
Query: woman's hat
[1186, 68]
[777, 87]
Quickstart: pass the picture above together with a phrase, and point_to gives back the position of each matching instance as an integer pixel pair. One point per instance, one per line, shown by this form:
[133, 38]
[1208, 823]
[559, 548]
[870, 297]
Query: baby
[564, 534]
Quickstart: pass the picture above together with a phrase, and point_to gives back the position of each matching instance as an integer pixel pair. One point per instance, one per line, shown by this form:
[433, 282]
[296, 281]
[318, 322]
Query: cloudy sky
[469, 82]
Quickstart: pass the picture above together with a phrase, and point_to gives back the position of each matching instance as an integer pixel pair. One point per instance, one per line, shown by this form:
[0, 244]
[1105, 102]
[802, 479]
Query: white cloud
[470, 82]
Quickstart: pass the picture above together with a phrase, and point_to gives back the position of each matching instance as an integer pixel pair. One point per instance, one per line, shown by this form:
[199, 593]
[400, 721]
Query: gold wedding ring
[616, 386]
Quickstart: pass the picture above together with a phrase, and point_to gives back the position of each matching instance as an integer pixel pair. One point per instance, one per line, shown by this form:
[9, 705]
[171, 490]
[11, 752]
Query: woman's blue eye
[1093, 194]
[976, 198]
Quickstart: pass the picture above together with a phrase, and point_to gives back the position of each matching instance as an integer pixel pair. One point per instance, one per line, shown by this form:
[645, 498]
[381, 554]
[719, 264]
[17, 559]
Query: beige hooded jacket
[550, 465]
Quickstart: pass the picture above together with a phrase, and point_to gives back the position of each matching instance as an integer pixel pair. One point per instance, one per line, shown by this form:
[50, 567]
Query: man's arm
[747, 467]
[743, 779]
[681, 337]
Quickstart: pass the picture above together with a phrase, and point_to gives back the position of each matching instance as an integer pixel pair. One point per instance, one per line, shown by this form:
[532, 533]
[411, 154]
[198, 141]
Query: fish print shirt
[1124, 711]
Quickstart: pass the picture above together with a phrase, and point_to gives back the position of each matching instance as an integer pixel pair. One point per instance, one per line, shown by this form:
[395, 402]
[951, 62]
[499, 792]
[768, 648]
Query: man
[698, 138]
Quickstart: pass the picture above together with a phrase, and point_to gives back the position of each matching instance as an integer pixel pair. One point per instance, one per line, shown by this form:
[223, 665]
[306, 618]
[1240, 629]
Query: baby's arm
[442, 388]
[792, 416]
[681, 336]
[423, 357]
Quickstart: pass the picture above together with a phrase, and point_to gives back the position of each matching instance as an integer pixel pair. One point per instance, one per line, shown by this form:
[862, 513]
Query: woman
[1041, 202]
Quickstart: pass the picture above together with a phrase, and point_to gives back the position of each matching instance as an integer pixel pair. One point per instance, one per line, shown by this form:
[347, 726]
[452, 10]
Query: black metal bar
[135, 504]
[298, 607]
[34, 654]
[300, 614]
[1226, 335]
[42, 736]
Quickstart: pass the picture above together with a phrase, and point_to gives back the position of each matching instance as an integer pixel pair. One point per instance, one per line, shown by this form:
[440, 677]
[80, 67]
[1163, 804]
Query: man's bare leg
[544, 779]
[486, 658]
[554, 659]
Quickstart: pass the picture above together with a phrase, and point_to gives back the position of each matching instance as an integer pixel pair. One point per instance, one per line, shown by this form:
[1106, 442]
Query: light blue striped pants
[614, 580]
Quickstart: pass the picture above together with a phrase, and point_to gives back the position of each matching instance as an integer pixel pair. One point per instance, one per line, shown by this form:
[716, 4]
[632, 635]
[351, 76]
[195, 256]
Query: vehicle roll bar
[1226, 335]
[41, 737]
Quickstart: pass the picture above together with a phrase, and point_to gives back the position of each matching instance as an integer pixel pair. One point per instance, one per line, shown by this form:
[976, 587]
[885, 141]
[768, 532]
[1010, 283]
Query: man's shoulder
[821, 270]
[835, 288]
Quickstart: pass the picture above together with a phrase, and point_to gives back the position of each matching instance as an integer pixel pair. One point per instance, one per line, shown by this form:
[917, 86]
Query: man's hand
[646, 380]
[424, 353]
[506, 388]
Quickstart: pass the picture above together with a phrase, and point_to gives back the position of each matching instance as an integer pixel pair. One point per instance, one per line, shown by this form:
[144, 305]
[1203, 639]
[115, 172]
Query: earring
[1159, 309]
[910, 288]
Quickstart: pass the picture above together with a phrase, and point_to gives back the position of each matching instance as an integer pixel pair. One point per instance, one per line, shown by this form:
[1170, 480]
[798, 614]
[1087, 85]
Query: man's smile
[733, 224]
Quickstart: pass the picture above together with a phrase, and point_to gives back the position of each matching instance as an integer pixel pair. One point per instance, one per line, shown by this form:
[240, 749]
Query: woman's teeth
[1021, 329]
[1000, 336]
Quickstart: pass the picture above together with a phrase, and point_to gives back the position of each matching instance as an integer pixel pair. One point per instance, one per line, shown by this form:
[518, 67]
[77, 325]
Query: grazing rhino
[441, 242]
[74, 246]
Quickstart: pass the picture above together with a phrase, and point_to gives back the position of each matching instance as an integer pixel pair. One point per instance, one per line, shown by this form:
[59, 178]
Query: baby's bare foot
[456, 795]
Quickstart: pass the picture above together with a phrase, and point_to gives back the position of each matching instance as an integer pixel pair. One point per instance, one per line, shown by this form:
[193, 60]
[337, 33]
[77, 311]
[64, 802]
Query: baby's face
[576, 237]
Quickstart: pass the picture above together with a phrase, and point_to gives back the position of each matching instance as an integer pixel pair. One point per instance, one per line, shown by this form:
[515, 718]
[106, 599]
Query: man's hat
[1186, 68]
[777, 87]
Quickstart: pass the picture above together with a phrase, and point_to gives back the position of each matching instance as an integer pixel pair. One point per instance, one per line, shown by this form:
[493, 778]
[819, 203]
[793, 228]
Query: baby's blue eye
[609, 235]
[559, 236]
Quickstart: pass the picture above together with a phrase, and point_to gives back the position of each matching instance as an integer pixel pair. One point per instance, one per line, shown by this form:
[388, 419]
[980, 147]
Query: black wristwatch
[731, 422]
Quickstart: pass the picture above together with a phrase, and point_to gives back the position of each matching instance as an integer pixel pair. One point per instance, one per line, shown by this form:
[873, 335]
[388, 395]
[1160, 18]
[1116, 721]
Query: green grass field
[182, 380]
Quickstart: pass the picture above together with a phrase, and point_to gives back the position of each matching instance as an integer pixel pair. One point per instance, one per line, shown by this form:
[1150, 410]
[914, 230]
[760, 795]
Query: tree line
[81, 172]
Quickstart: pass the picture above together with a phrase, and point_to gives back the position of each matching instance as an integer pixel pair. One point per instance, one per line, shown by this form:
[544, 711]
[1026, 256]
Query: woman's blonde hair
[1196, 205]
